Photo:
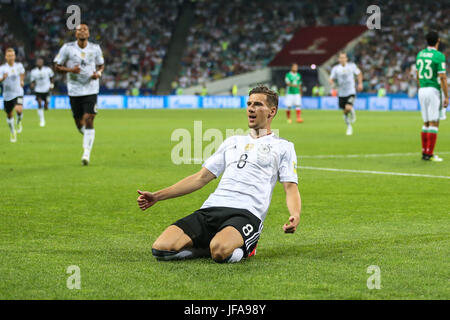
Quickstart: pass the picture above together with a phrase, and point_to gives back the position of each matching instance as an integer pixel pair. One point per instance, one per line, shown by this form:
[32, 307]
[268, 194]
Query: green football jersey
[295, 79]
[430, 62]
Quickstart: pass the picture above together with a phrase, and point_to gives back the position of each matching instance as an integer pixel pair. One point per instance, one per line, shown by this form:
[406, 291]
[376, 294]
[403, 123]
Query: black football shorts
[202, 225]
[346, 100]
[44, 96]
[9, 105]
[83, 104]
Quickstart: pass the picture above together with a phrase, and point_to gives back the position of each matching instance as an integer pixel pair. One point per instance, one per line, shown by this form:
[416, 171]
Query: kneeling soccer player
[228, 225]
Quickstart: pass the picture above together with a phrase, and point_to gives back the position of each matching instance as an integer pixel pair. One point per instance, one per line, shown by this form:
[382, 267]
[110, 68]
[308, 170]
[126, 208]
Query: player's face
[258, 111]
[294, 68]
[82, 32]
[10, 57]
[343, 59]
[40, 63]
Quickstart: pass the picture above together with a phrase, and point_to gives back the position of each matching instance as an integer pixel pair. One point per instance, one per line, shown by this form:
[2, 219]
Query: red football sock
[432, 137]
[288, 113]
[424, 135]
[299, 112]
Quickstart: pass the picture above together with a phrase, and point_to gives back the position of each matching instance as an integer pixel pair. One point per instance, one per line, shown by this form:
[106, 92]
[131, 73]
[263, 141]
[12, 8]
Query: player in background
[42, 82]
[343, 74]
[293, 81]
[430, 64]
[228, 225]
[12, 75]
[84, 64]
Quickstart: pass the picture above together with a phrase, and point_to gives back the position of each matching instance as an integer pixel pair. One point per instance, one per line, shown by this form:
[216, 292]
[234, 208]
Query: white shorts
[430, 103]
[293, 100]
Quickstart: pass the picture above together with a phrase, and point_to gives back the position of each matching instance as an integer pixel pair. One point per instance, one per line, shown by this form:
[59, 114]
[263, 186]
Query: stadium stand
[233, 37]
[226, 38]
[134, 36]
[387, 56]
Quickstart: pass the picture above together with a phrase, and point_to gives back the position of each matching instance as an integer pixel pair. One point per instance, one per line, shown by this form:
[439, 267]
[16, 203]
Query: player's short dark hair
[271, 96]
[83, 22]
[432, 38]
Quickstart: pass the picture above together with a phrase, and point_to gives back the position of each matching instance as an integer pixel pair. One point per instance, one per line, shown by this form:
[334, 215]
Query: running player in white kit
[41, 82]
[84, 64]
[12, 75]
[344, 74]
[228, 225]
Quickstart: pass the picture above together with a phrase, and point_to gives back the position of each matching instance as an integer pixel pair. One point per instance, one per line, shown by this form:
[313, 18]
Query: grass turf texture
[55, 213]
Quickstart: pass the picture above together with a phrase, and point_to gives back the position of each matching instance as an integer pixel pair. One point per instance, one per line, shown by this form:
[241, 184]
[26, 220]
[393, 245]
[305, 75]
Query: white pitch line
[373, 155]
[376, 172]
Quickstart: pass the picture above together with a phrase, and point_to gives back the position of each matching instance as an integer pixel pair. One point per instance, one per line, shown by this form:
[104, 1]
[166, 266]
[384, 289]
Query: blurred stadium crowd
[227, 38]
[387, 56]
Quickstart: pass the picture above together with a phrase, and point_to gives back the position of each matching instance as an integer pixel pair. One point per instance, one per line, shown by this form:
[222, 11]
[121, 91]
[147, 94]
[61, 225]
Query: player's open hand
[292, 225]
[445, 103]
[76, 69]
[146, 199]
[360, 87]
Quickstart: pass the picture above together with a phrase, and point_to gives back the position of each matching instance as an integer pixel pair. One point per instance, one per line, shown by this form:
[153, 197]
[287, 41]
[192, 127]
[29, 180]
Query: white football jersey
[251, 167]
[11, 85]
[71, 55]
[41, 77]
[345, 76]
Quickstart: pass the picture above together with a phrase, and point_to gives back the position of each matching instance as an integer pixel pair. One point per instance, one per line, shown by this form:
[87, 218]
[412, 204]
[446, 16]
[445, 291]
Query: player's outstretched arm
[187, 185]
[294, 204]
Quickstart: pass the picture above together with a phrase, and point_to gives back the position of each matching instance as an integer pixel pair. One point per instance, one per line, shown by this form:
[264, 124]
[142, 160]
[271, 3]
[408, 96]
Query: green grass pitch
[54, 213]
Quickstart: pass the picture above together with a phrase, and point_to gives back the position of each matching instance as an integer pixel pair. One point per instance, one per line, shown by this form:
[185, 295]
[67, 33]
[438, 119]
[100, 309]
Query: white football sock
[10, 123]
[236, 256]
[88, 140]
[353, 113]
[41, 114]
[19, 118]
[347, 119]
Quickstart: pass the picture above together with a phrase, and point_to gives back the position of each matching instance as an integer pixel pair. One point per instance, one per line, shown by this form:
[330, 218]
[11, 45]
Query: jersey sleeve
[441, 64]
[61, 57]
[99, 60]
[21, 69]
[287, 171]
[32, 76]
[51, 74]
[356, 70]
[286, 79]
[333, 73]
[216, 162]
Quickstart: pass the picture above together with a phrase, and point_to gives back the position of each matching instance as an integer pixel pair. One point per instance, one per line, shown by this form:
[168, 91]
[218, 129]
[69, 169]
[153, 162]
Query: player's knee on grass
[220, 252]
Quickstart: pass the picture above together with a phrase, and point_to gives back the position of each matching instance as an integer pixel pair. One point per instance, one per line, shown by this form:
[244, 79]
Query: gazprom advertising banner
[221, 102]
[153, 102]
[372, 103]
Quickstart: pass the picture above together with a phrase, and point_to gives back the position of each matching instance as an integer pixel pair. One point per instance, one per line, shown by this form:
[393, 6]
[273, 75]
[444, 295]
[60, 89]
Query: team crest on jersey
[83, 55]
[263, 156]
[264, 148]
